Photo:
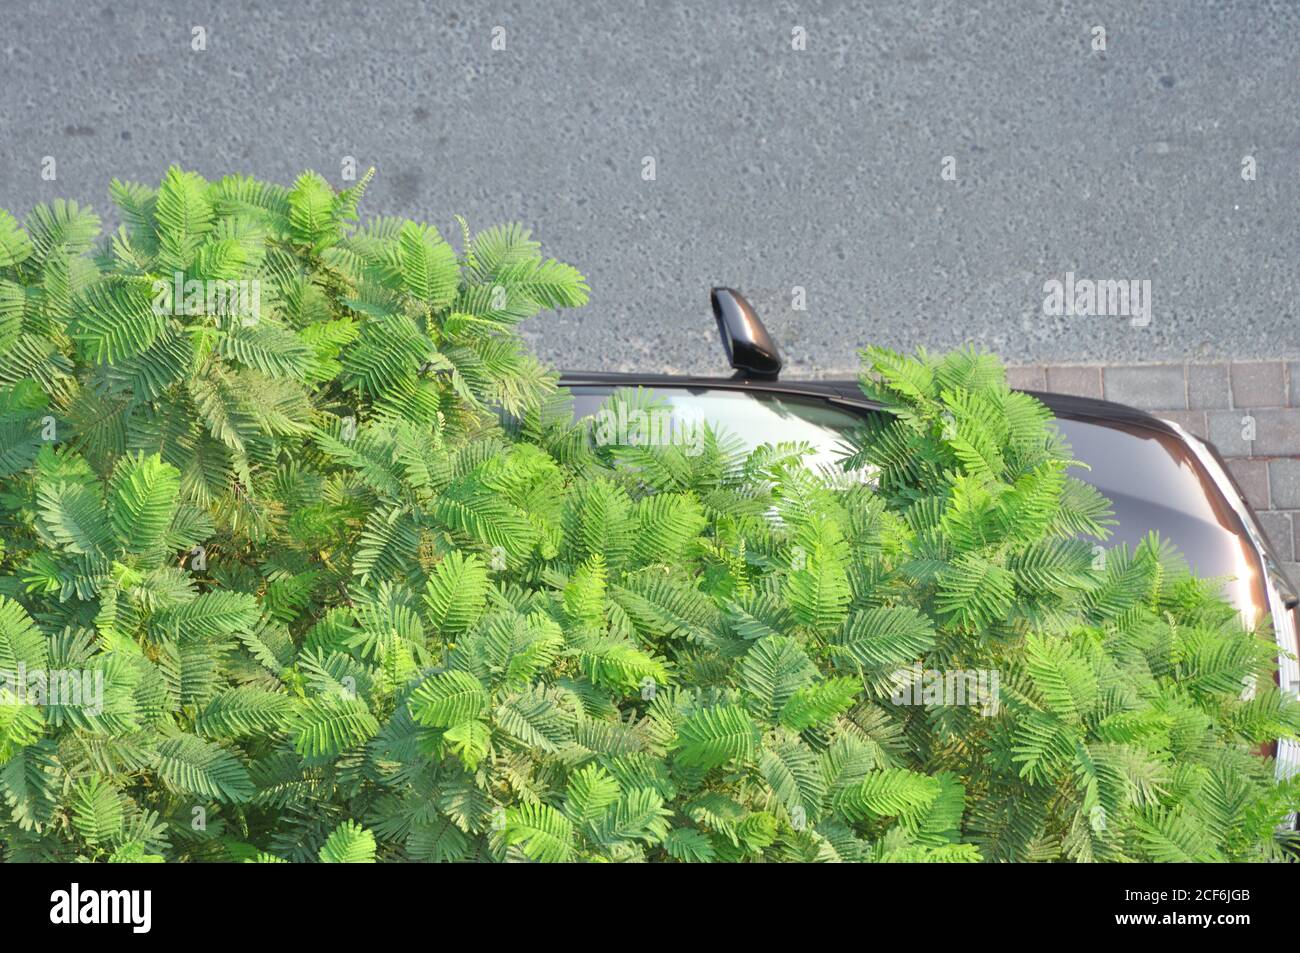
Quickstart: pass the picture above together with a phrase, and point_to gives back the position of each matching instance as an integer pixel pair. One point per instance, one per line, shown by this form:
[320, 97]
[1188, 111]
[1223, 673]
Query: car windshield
[1151, 479]
[752, 417]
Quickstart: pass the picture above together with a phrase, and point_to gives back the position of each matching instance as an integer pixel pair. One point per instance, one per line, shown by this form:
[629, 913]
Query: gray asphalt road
[775, 168]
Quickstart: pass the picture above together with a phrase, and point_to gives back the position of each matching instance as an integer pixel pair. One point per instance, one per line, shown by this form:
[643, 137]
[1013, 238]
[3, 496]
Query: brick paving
[1250, 410]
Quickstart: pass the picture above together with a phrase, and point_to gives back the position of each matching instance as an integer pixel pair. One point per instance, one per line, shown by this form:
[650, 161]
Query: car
[1157, 475]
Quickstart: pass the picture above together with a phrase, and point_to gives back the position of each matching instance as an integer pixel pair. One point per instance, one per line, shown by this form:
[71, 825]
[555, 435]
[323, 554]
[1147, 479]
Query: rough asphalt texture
[774, 168]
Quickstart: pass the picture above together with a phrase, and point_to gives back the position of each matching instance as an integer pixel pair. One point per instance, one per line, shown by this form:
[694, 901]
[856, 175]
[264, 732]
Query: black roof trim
[847, 391]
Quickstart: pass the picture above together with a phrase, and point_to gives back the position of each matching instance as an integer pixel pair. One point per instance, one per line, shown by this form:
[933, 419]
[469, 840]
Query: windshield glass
[1151, 479]
[752, 417]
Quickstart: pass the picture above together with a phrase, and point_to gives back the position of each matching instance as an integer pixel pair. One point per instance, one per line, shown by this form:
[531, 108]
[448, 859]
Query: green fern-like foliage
[342, 581]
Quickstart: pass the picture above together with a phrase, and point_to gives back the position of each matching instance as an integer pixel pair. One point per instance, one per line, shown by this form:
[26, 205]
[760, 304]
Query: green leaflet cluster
[357, 588]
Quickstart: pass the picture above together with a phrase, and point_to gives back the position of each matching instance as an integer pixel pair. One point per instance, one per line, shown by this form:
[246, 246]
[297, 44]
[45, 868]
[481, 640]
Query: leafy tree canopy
[354, 586]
